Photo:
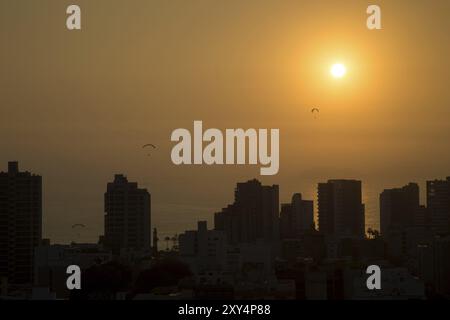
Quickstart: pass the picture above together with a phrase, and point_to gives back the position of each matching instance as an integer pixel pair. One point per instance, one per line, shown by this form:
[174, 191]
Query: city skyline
[120, 178]
[82, 103]
[257, 248]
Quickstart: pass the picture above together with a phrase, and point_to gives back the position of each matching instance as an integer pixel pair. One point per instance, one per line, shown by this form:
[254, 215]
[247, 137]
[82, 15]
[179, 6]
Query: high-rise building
[20, 223]
[399, 208]
[127, 219]
[438, 202]
[341, 211]
[253, 215]
[296, 217]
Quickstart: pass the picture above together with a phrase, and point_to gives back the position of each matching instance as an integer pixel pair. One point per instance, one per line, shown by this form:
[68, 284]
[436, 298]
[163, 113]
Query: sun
[338, 70]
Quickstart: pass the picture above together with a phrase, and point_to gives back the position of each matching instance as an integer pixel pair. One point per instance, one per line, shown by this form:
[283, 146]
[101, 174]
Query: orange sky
[76, 107]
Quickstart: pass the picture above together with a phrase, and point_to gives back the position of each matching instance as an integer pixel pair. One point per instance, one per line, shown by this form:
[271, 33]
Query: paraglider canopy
[77, 228]
[148, 145]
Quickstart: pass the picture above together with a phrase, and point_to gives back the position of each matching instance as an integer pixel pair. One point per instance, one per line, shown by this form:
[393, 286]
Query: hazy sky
[76, 106]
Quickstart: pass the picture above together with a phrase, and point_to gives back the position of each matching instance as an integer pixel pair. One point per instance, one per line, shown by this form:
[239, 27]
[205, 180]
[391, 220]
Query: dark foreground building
[20, 223]
[127, 219]
[253, 215]
[438, 202]
[341, 211]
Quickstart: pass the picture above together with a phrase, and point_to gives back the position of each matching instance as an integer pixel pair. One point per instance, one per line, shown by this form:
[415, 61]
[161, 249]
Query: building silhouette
[20, 223]
[296, 217]
[441, 264]
[155, 243]
[51, 262]
[438, 203]
[203, 249]
[399, 208]
[253, 215]
[128, 216]
[341, 211]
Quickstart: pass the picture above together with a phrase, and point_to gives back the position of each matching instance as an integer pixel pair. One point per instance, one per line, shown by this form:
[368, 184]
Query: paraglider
[77, 228]
[315, 112]
[147, 146]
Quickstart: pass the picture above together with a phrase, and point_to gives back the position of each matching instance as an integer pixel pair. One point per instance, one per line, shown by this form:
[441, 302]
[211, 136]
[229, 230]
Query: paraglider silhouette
[315, 112]
[77, 227]
[148, 145]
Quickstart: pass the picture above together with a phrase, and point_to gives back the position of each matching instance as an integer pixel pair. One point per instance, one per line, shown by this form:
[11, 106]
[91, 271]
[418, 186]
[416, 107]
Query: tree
[167, 272]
